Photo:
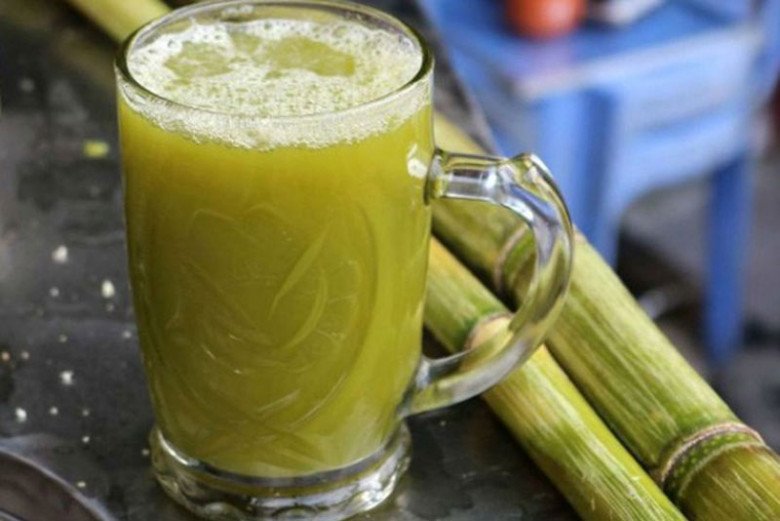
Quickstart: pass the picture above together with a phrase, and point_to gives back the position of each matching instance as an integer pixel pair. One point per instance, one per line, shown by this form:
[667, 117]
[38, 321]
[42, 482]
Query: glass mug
[278, 251]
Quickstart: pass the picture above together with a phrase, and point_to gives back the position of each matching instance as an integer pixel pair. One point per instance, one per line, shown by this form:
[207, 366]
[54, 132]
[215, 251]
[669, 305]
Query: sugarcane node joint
[691, 453]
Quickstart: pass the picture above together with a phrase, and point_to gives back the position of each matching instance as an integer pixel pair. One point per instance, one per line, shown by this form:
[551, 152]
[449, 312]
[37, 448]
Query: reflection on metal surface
[30, 493]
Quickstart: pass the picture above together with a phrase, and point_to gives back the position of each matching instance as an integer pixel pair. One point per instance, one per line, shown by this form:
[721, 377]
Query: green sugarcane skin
[452, 322]
[662, 388]
[544, 410]
[120, 18]
[677, 400]
[626, 367]
[738, 483]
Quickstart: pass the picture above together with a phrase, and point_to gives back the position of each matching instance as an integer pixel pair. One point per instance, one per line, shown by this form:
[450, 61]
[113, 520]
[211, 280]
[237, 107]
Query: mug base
[327, 496]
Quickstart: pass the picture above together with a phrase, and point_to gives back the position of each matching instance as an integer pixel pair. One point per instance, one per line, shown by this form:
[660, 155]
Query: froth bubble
[272, 68]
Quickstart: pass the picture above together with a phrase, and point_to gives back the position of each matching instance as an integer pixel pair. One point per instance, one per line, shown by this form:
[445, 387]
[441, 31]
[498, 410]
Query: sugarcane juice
[277, 248]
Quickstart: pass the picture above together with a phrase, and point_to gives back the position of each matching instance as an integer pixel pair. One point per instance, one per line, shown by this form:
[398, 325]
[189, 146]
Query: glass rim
[122, 67]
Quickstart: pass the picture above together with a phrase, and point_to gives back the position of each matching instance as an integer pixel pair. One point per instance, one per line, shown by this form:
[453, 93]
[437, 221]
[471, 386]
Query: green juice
[277, 257]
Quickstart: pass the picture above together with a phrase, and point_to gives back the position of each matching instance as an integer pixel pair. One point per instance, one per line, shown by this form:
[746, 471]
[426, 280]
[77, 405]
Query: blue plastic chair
[616, 113]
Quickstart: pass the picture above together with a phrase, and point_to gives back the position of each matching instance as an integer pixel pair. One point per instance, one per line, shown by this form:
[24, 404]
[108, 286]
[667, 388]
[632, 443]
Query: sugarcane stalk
[708, 462]
[542, 408]
[119, 18]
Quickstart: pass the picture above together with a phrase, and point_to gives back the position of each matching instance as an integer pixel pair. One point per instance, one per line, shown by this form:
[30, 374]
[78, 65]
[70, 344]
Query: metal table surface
[72, 393]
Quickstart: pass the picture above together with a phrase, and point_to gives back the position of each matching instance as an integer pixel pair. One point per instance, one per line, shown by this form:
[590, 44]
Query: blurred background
[658, 121]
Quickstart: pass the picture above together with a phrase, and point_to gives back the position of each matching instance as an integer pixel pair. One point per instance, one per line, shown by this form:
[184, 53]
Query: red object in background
[545, 18]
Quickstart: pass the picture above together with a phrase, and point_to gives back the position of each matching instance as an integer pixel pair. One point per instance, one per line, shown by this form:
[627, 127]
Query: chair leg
[729, 225]
[605, 237]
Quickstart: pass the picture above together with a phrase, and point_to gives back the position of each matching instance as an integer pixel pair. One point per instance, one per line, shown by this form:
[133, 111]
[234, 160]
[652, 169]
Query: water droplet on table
[66, 378]
[26, 85]
[21, 415]
[95, 148]
[107, 289]
[60, 254]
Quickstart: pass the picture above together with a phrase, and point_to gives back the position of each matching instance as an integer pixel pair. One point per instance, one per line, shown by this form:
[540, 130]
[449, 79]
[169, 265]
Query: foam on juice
[243, 75]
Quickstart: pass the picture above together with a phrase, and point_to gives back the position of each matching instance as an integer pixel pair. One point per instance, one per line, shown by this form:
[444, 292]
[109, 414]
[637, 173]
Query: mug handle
[524, 186]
